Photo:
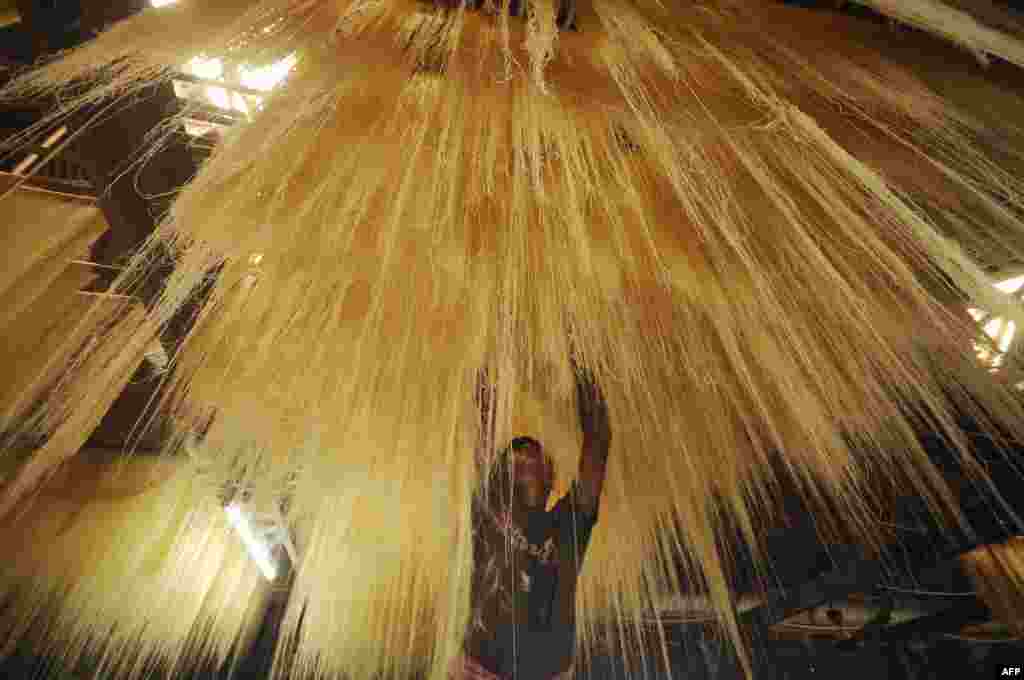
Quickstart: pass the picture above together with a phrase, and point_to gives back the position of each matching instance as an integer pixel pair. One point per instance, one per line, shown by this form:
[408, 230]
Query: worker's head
[532, 473]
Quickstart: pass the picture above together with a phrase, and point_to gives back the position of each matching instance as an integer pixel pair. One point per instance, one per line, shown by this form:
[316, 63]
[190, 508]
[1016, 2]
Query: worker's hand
[592, 409]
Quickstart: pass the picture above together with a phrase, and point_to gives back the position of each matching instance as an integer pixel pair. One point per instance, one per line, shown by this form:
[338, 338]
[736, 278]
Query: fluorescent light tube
[258, 550]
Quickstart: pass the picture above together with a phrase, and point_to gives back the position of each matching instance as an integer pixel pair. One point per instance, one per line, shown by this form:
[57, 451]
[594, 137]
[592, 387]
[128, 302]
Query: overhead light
[994, 327]
[218, 96]
[208, 69]
[1001, 330]
[258, 550]
[161, 3]
[1011, 285]
[268, 77]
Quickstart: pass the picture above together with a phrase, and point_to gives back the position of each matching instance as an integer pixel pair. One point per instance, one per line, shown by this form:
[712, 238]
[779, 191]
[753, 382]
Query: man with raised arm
[527, 559]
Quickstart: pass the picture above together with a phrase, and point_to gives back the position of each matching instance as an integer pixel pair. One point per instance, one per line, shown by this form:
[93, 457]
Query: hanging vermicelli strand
[175, 553]
[981, 27]
[744, 228]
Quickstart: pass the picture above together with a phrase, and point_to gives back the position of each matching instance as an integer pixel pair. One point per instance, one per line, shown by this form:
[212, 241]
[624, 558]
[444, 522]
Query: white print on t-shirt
[544, 553]
[524, 582]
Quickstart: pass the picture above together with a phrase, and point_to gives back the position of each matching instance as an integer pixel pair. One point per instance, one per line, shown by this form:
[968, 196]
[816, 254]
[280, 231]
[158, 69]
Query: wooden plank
[57, 188]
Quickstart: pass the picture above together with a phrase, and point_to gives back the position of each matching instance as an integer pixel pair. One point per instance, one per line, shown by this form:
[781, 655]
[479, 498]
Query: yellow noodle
[758, 280]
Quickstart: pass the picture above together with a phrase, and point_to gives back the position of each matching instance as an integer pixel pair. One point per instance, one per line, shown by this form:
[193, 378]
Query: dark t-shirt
[524, 590]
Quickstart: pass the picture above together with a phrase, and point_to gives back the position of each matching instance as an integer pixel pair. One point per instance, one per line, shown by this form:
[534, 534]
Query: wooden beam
[132, 202]
[58, 188]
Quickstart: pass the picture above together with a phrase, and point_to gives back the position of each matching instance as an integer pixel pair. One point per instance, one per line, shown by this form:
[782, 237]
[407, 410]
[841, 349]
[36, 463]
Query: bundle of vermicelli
[998, 575]
[128, 567]
[737, 222]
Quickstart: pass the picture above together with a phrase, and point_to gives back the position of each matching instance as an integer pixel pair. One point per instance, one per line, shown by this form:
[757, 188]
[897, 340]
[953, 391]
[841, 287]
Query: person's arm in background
[483, 399]
[597, 439]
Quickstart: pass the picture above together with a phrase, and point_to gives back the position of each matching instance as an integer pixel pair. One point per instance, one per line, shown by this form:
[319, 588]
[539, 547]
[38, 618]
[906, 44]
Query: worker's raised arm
[483, 399]
[597, 439]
